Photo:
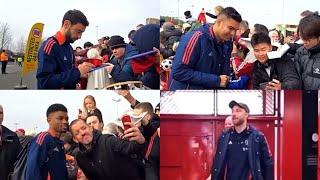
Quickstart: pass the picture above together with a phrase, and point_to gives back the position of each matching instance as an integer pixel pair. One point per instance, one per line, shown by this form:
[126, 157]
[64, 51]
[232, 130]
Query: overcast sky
[267, 12]
[106, 17]
[28, 108]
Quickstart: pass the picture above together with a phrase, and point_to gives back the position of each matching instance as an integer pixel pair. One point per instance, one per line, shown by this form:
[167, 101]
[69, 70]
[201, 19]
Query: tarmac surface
[12, 79]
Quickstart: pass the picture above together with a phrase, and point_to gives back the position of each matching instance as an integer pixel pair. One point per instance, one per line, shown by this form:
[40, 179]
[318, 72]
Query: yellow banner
[30, 62]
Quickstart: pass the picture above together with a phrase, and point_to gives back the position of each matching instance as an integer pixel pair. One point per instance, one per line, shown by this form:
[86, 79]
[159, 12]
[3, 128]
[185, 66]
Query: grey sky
[267, 12]
[111, 17]
[28, 108]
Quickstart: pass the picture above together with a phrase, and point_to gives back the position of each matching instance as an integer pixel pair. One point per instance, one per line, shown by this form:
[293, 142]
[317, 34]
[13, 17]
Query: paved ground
[10, 80]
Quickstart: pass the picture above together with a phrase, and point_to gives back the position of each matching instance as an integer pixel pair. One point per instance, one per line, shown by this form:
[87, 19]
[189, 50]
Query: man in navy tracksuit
[46, 154]
[242, 151]
[203, 55]
[56, 68]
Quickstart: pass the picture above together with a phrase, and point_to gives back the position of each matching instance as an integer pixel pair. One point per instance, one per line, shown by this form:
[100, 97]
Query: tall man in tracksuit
[242, 151]
[56, 68]
[202, 60]
[46, 154]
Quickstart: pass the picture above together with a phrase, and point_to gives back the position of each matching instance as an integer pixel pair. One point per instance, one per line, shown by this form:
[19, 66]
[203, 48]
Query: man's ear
[66, 24]
[247, 114]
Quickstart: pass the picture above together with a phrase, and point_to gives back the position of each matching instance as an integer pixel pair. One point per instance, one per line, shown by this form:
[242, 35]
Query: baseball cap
[241, 105]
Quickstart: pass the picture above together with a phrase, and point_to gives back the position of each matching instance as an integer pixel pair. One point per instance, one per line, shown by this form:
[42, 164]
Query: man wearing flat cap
[242, 151]
[121, 69]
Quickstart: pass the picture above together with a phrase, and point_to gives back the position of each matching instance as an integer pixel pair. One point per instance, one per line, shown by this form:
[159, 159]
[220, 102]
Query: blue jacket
[199, 61]
[260, 161]
[46, 157]
[56, 68]
[122, 70]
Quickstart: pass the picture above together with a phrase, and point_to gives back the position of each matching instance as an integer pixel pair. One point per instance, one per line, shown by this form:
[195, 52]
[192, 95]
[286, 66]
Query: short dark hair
[75, 121]
[87, 44]
[309, 27]
[260, 38]
[306, 13]
[56, 107]
[232, 13]
[157, 108]
[97, 115]
[145, 106]
[139, 26]
[75, 17]
[260, 28]
[131, 33]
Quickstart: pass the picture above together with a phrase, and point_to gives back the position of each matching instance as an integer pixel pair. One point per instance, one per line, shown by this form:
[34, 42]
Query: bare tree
[5, 35]
[20, 45]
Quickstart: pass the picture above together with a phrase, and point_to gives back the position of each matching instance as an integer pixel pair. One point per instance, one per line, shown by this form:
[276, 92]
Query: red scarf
[141, 65]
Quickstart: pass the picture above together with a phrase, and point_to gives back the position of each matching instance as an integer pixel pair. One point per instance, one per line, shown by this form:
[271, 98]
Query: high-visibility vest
[4, 56]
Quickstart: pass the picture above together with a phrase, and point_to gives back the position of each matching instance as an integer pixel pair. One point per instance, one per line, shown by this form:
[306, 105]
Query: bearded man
[56, 69]
[242, 151]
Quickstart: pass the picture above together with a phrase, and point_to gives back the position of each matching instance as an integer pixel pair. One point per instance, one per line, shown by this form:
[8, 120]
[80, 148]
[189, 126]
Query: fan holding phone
[272, 73]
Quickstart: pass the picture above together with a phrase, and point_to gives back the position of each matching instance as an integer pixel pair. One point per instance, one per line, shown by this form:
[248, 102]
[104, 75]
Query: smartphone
[263, 85]
[126, 118]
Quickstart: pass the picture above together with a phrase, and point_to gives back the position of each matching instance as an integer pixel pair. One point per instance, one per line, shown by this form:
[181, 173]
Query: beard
[68, 37]
[238, 122]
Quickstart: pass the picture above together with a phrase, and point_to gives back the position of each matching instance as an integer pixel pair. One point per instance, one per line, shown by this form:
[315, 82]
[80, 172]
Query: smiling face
[82, 132]
[260, 51]
[226, 28]
[239, 115]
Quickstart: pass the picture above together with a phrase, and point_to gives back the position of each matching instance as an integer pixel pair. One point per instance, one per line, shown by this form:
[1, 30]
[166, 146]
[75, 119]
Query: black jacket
[282, 69]
[152, 155]
[260, 161]
[9, 150]
[171, 36]
[308, 66]
[109, 158]
[152, 159]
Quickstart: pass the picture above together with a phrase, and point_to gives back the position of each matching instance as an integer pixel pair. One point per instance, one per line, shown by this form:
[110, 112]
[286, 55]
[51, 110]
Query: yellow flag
[30, 62]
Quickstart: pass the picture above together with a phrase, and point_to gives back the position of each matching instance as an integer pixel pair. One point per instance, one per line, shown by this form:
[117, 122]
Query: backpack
[20, 166]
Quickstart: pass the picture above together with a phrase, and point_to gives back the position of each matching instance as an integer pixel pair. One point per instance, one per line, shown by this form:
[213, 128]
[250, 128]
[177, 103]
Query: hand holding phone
[126, 118]
[274, 85]
[263, 85]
